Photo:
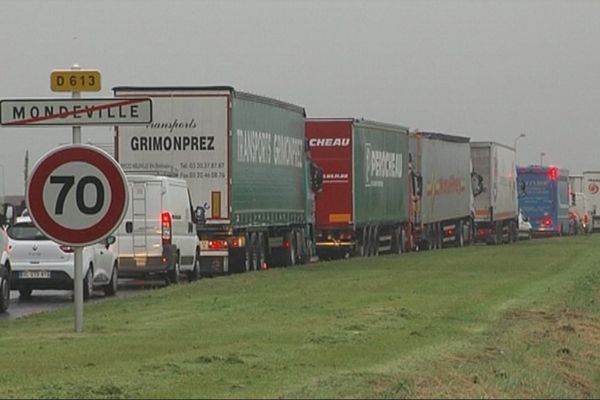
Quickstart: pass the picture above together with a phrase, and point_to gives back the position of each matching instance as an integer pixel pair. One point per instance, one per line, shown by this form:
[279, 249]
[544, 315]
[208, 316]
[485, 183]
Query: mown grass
[506, 321]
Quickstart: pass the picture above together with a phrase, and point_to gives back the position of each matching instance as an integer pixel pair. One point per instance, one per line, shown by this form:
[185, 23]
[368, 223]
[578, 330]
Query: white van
[158, 234]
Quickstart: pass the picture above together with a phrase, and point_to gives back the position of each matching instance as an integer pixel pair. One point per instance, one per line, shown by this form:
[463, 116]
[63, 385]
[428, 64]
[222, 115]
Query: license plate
[34, 274]
[140, 261]
[204, 245]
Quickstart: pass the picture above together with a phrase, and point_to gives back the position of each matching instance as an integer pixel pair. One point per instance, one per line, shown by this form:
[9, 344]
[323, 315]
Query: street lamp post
[522, 135]
[542, 154]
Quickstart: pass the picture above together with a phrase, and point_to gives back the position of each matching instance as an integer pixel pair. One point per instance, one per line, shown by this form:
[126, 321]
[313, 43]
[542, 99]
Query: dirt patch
[526, 347]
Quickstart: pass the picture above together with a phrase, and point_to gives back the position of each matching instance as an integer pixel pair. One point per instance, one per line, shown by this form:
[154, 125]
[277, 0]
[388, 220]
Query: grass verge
[506, 321]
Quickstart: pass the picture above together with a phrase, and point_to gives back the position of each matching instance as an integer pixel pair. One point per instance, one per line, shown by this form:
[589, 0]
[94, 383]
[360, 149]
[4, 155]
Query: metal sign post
[78, 251]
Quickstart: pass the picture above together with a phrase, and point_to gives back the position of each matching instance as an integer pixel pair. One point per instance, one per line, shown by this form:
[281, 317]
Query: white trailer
[494, 188]
[591, 191]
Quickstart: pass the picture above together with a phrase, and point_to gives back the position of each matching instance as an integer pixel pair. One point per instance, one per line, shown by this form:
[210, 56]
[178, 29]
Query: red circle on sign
[112, 217]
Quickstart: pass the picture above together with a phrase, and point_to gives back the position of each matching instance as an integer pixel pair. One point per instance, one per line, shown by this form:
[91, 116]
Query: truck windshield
[537, 197]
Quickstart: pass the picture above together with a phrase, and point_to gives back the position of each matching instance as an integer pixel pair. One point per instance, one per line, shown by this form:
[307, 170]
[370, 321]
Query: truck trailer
[543, 193]
[440, 189]
[363, 206]
[578, 203]
[244, 159]
[591, 192]
[494, 188]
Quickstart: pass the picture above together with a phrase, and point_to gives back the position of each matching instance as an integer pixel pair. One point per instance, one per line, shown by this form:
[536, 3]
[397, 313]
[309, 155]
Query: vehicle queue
[275, 188]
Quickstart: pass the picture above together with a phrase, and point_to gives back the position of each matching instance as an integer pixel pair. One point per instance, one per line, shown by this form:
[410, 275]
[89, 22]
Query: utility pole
[26, 171]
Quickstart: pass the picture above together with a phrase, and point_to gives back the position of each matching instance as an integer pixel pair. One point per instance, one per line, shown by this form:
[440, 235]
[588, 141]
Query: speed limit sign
[77, 195]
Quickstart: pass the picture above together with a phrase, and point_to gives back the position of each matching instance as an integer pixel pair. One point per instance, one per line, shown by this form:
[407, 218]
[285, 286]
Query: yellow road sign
[81, 80]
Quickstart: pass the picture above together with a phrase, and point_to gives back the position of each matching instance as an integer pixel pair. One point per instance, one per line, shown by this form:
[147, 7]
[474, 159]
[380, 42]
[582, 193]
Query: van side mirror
[109, 240]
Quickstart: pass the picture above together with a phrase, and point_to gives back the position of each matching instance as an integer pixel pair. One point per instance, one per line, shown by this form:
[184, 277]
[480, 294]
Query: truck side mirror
[419, 186]
[316, 178]
[477, 184]
[9, 213]
[522, 186]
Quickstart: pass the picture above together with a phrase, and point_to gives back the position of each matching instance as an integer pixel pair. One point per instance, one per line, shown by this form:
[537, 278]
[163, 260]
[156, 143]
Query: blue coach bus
[544, 198]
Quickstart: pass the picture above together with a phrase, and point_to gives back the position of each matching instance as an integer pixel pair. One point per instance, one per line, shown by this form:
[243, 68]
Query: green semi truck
[245, 162]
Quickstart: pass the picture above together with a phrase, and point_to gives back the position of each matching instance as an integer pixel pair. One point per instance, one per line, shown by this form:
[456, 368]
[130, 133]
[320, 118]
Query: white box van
[158, 234]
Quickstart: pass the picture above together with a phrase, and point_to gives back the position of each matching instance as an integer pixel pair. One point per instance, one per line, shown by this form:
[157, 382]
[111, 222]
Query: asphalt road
[49, 300]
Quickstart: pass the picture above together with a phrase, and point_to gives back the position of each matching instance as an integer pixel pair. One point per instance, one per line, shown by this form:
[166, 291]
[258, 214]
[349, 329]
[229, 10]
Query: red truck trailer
[363, 206]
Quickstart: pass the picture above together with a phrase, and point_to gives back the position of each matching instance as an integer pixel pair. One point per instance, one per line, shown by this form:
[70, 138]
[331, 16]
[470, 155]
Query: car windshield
[25, 231]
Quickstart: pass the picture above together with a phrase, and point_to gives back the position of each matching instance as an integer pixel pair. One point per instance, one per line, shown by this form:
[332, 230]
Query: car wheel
[88, 283]
[194, 274]
[174, 274]
[111, 288]
[25, 293]
[4, 289]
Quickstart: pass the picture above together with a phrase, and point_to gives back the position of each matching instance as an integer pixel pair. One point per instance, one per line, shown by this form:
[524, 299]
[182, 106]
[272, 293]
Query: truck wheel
[429, 237]
[303, 257]
[369, 249]
[359, 245]
[247, 253]
[511, 232]
[290, 251]
[438, 236]
[499, 233]
[254, 251]
[460, 239]
[364, 245]
[398, 241]
[4, 289]
[260, 251]
[375, 240]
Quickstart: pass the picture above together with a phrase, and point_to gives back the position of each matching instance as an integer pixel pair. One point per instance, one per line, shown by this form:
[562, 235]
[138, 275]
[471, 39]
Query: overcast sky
[490, 70]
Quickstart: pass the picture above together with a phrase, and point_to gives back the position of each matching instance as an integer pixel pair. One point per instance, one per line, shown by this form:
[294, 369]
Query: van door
[146, 205]
[184, 231]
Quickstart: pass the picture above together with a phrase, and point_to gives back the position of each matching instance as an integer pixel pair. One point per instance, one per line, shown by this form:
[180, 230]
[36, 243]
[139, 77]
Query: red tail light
[547, 221]
[552, 173]
[286, 244]
[482, 232]
[165, 226]
[65, 249]
[450, 232]
[217, 244]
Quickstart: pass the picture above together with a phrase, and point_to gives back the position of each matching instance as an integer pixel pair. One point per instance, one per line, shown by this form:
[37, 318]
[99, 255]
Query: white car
[38, 263]
[525, 229]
